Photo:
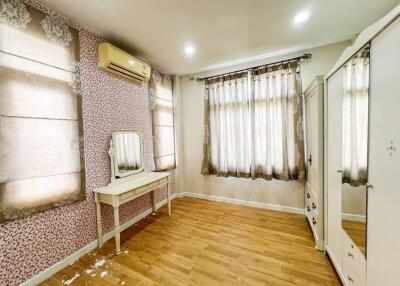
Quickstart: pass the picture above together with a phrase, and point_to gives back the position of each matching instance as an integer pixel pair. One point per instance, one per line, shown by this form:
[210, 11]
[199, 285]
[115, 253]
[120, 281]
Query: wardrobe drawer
[308, 208]
[308, 195]
[314, 197]
[354, 265]
[312, 219]
[314, 208]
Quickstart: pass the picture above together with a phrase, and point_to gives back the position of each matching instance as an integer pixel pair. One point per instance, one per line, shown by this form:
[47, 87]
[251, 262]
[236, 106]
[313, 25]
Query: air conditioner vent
[125, 72]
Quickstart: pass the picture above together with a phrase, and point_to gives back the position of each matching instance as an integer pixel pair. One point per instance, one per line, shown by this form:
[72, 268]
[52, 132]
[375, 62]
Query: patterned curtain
[41, 145]
[255, 130]
[162, 105]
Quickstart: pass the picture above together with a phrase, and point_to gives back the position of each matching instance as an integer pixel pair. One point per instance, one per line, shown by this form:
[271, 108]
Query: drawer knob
[313, 220]
[350, 254]
[314, 206]
[350, 279]
[308, 209]
[308, 195]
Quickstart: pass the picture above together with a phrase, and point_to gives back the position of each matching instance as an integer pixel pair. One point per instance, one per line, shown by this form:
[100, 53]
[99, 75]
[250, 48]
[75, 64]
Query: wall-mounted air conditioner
[119, 62]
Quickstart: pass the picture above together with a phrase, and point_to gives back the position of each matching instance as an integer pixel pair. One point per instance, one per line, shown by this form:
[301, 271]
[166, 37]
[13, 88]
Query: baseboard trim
[244, 203]
[42, 276]
[336, 265]
[354, 217]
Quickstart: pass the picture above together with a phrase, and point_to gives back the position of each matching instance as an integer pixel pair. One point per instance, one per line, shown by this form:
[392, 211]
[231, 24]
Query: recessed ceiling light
[301, 17]
[190, 50]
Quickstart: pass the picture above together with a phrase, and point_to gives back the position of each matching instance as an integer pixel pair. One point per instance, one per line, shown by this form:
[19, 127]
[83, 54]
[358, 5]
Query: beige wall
[290, 194]
[354, 200]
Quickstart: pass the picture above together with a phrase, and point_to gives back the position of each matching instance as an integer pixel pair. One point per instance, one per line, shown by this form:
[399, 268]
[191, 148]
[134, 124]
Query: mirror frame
[115, 174]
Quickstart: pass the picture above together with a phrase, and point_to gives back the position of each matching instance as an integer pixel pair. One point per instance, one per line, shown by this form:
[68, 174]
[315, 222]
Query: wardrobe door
[383, 261]
[314, 146]
[333, 160]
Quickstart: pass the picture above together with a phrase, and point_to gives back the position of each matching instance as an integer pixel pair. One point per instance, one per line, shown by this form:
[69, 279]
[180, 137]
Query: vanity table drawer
[133, 193]
[143, 189]
[354, 264]
[158, 184]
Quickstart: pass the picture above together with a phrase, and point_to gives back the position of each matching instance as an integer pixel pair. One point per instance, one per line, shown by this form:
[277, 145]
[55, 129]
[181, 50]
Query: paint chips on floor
[68, 282]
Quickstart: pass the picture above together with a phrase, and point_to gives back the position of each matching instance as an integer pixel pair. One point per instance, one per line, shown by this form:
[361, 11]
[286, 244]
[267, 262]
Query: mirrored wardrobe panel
[355, 147]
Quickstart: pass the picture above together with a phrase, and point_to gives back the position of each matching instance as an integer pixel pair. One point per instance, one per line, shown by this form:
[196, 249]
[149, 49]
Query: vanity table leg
[99, 224]
[117, 231]
[153, 198]
[169, 195]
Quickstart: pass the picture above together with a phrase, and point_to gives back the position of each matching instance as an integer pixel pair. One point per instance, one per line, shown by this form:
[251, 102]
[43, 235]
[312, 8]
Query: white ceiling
[221, 30]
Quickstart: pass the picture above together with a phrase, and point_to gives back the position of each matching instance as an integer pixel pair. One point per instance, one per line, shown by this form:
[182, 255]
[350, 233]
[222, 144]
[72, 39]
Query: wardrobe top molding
[365, 37]
[319, 79]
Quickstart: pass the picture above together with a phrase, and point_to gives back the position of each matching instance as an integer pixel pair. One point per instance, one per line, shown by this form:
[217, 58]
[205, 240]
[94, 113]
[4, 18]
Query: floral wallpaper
[29, 246]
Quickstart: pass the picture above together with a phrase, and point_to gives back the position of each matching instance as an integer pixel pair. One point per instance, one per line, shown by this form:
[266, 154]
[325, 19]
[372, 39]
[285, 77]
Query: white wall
[290, 194]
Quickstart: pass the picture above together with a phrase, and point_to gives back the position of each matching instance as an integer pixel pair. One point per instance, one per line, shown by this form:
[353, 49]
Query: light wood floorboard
[207, 243]
[357, 231]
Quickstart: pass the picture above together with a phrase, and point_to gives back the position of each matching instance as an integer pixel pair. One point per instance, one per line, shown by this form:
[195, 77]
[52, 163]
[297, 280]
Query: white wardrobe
[314, 195]
[362, 202]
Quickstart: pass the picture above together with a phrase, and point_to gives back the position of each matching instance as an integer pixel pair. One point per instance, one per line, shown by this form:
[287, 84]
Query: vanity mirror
[355, 147]
[126, 152]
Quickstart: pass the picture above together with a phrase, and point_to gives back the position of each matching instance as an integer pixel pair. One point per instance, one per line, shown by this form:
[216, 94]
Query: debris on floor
[100, 263]
[68, 282]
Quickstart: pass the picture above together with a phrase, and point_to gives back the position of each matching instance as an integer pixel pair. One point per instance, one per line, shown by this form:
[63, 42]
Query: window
[253, 125]
[40, 119]
[163, 121]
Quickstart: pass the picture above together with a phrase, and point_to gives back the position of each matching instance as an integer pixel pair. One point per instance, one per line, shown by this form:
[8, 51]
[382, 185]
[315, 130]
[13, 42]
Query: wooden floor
[207, 243]
[357, 231]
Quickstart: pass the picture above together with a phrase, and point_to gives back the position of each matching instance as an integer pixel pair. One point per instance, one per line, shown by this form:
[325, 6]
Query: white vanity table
[129, 179]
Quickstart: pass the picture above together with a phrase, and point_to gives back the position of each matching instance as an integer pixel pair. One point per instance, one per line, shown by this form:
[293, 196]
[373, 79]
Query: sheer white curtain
[277, 124]
[129, 155]
[355, 120]
[227, 140]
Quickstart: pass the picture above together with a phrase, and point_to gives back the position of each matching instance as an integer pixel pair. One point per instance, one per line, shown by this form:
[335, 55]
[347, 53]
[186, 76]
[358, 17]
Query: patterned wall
[29, 246]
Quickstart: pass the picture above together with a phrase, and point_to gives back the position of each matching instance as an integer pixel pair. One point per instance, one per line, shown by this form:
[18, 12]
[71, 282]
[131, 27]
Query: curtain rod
[303, 57]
